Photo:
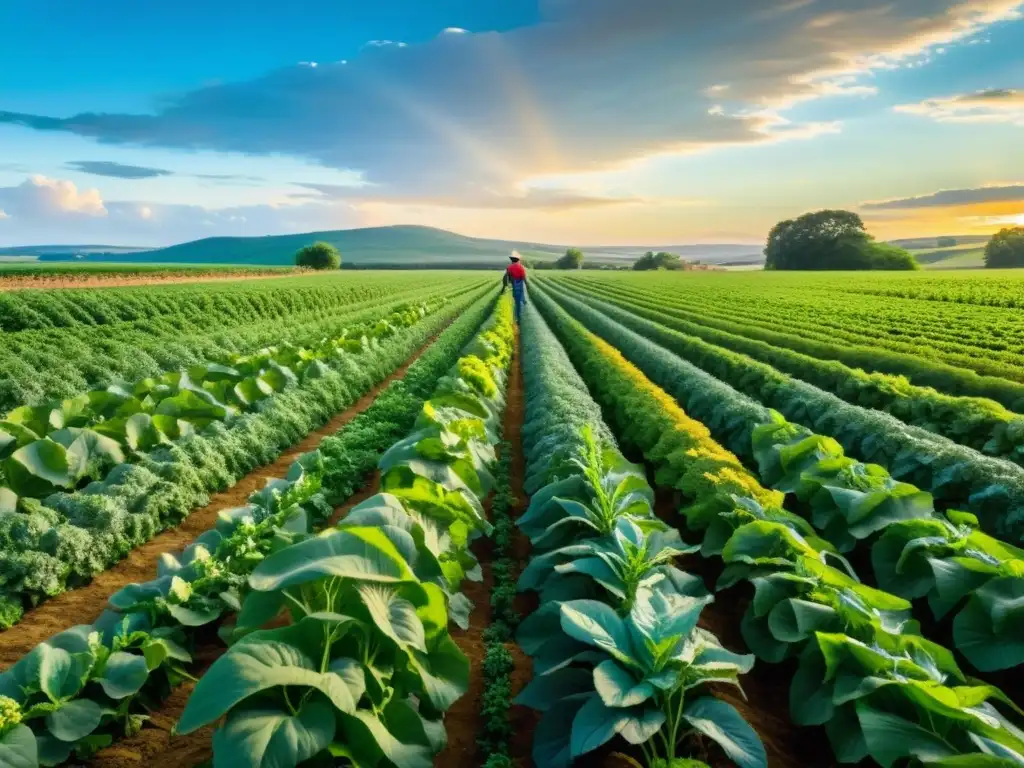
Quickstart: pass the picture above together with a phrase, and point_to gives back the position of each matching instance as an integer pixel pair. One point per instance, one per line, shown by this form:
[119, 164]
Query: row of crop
[214, 302]
[366, 668]
[66, 540]
[139, 648]
[962, 342]
[979, 423]
[61, 444]
[992, 489]
[996, 333]
[916, 551]
[36, 366]
[863, 670]
[952, 379]
[615, 642]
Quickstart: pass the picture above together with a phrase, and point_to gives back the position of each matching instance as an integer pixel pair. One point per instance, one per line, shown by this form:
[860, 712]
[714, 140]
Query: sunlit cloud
[999, 105]
[952, 197]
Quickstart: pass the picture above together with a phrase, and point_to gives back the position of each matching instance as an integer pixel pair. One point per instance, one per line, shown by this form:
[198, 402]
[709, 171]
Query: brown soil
[115, 280]
[463, 721]
[523, 719]
[84, 605]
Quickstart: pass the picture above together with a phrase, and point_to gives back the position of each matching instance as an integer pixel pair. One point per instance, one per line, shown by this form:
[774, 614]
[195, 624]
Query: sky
[563, 121]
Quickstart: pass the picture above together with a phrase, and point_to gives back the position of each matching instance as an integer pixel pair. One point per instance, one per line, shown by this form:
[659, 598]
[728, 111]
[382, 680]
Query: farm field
[666, 520]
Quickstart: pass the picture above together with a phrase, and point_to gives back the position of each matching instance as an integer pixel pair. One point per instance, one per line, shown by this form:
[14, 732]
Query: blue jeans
[519, 297]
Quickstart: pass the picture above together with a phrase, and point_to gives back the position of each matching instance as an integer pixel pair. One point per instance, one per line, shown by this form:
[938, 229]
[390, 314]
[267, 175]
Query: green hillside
[372, 246]
[395, 246]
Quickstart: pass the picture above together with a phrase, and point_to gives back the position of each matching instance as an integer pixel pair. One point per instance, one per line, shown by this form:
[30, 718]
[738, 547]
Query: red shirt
[516, 271]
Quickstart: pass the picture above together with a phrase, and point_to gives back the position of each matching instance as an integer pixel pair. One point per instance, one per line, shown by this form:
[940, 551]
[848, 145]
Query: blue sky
[571, 121]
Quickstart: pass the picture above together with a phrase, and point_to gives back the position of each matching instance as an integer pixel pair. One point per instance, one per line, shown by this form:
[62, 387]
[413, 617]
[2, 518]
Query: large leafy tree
[318, 256]
[1006, 249]
[573, 259]
[830, 239]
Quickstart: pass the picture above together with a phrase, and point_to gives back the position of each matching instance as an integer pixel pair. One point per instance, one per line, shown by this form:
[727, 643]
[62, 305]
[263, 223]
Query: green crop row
[615, 642]
[983, 339]
[40, 365]
[920, 370]
[979, 423]
[992, 489]
[917, 552]
[139, 649]
[862, 669]
[216, 302]
[366, 669]
[64, 541]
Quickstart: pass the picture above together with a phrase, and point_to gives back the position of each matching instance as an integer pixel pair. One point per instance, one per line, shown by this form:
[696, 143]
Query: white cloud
[40, 197]
[454, 31]
[1000, 105]
[597, 85]
[53, 210]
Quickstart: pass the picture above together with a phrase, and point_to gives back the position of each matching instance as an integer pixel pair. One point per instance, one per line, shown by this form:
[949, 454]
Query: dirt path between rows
[84, 605]
[112, 280]
[464, 720]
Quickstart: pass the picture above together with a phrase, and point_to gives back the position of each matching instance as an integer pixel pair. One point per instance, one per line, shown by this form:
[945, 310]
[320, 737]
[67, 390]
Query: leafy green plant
[646, 682]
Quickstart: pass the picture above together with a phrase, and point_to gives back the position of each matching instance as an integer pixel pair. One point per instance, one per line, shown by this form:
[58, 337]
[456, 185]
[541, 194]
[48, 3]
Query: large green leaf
[273, 738]
[256, 665]
[394, 615]
[546, 691]
[989, 630]
[721, 723]
[40, 467]
[195, 407]
[618, 687]
[594, 725]
[123, 674]
[18, 748]
[363, 554]
[60, 673]
[74, 720]
[368, 741]
[596, 624]
[891, 738]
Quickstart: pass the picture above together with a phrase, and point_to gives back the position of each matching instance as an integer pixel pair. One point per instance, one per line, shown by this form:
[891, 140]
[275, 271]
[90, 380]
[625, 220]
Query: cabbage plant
[365, 670]
[641, 676]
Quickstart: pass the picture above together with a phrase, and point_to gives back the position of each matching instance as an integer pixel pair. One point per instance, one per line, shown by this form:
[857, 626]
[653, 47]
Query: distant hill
[395, 246]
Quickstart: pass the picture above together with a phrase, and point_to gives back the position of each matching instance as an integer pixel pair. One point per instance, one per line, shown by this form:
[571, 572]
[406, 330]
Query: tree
[830, 240]
[1006, 249]
[660, 260]
[573, 259]
[945, 242]
[318, 256]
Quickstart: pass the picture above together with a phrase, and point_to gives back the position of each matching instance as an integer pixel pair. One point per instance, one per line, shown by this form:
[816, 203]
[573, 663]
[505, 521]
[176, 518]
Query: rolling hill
[395, 246]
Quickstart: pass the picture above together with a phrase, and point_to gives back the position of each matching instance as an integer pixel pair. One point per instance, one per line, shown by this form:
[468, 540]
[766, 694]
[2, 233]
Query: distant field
[16, 275]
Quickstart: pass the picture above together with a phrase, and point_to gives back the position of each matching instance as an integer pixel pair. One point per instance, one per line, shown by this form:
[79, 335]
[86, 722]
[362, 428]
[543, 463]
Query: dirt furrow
[84, 605]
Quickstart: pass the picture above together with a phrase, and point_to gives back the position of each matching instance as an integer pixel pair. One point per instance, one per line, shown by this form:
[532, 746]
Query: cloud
[952, 197]
[997, 105]
[54, 210]
[39, 197]
[523, 199]
[117, 170]
[461, 113]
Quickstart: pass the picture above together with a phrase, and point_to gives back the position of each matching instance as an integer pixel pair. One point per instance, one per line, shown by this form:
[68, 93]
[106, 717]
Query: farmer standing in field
[515, 273]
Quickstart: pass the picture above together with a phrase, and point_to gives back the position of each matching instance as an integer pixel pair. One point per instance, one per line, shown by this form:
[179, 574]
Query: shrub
[318, 256]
